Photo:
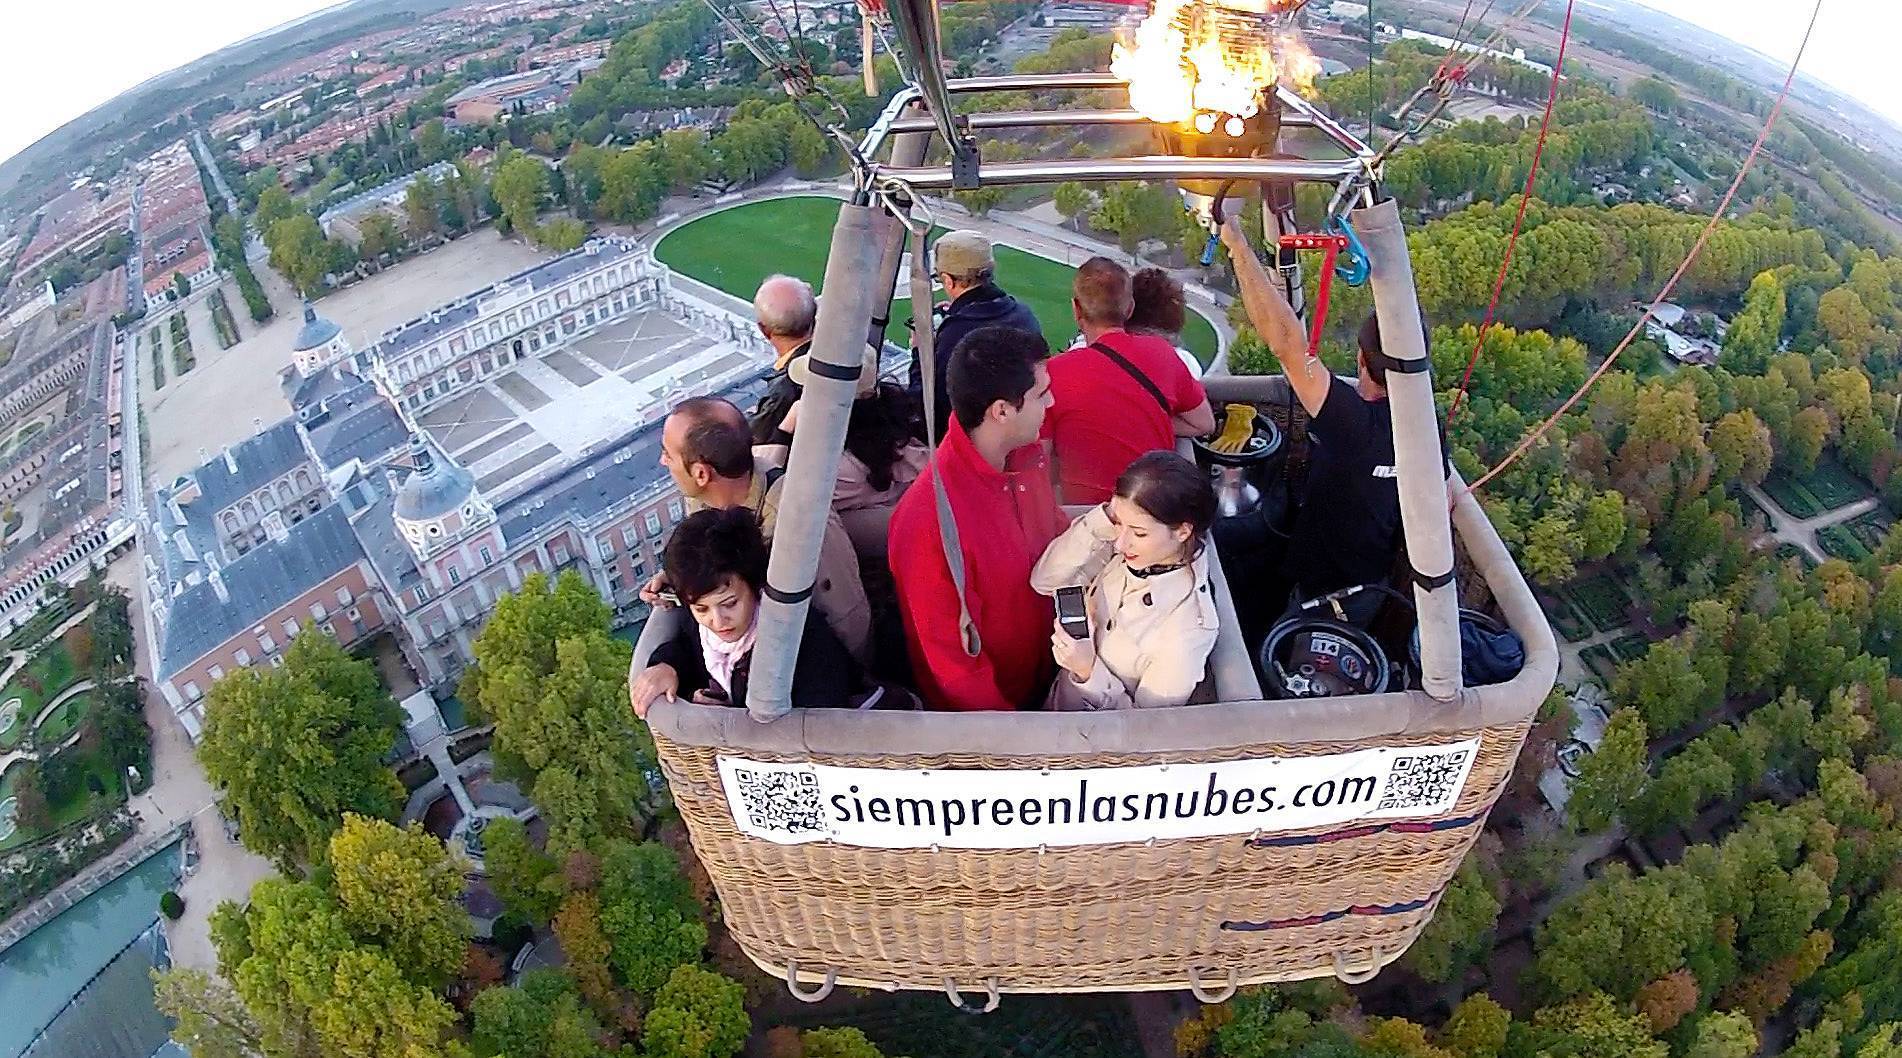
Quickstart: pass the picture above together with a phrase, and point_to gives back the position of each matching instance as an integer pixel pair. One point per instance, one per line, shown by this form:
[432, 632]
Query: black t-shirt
[1348, 529]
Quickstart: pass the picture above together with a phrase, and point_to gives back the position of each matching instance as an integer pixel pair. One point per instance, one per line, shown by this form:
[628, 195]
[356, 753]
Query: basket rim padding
[1180, 729]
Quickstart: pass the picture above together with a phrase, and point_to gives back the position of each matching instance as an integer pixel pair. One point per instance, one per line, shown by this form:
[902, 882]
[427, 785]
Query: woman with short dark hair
[884, 453]
[1142, 562]
[1161, 309]
[716, 566]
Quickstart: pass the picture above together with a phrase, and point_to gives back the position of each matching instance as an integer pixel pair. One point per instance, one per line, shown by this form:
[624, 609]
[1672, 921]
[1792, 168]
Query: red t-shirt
[1103, 419]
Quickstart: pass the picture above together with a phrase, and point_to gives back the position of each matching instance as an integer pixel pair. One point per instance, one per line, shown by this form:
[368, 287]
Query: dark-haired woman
[884, 453]
[1142, 561]
[716, 566]
[1161, 308]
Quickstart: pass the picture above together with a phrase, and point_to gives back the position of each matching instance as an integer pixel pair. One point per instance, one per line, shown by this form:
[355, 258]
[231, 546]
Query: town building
[1516, 55]
[344, 220]
[58, 483]
[173, 222]
[1089, 14]
[75, 223]
[28, 301]
[537, 58]
[413, 482]
[1695, 340]
[382, 80]
[287, 154]
[534, 91]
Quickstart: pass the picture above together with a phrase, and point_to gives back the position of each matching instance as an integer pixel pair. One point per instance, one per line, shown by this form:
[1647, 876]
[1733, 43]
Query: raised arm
[1077, 556]
[1274, 319]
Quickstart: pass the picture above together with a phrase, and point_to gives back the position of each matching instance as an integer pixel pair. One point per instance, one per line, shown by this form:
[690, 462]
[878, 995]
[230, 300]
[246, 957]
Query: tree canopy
[297, 747]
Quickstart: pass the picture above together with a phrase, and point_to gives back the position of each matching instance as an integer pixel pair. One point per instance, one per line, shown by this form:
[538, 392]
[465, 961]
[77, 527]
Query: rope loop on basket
[817, 994]
[1358, 977]
[957, 998]
[1203, 995]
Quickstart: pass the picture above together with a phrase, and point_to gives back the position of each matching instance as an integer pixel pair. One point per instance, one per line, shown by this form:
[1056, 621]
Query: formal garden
[1856, 539]
[792, 235]
[1829, 486]
[1589, 606]
[75, 744]
[31, 689]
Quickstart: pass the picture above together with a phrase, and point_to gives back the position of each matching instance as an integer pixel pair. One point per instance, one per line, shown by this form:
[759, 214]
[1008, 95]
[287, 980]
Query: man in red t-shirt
[1118, 394]
[998, 485]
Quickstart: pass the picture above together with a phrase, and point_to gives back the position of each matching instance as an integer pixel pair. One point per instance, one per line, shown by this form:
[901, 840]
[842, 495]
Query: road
[253, 248]
[132, 500]
[135, 261]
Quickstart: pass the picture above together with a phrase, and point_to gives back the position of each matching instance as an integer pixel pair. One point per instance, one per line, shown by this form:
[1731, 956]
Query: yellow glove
[1237, 429]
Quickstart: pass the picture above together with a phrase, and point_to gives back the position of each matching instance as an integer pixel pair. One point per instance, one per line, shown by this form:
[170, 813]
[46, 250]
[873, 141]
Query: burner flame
[1194, 57]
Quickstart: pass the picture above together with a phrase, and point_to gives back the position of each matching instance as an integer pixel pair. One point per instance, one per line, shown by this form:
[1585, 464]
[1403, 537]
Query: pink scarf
[722, 657]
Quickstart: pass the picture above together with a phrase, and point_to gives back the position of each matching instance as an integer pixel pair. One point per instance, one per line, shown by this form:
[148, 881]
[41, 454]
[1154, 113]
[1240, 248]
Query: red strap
[1333, 245]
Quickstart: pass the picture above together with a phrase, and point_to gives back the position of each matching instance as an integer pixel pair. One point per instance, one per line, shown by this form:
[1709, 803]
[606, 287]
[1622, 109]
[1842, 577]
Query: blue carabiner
[1352, 265]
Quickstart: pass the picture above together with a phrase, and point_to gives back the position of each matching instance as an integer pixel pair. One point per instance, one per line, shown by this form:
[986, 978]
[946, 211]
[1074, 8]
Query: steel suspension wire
[1518, 221]
[1372, 93]
[1459, 32]
[1756, 149]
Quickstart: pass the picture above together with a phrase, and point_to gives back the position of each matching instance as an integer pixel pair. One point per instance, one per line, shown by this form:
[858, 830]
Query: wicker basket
[1091, 918]
[1206, 913]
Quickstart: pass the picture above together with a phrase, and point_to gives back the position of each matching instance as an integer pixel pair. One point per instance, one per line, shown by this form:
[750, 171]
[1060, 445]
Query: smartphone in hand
[1071, 614]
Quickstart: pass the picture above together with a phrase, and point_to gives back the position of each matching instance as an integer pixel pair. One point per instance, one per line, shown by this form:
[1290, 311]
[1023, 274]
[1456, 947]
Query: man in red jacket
[1118, 394]
[998, 483]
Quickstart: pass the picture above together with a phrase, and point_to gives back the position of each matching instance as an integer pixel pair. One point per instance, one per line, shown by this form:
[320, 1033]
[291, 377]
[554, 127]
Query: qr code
[1420, 780]
[782, 800]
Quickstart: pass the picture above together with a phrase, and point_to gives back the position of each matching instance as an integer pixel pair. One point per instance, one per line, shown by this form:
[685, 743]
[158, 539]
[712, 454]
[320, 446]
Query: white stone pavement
[181, 794]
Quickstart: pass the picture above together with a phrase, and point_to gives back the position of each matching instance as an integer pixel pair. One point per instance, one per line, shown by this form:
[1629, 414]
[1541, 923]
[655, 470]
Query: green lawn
[82, 803]
[62, 722]
[1602, 663]
[737, 248]
[1829, 486]
[1629, 648]
[52, 669]
[10, 734]
[1566, 619]
[1785, 552]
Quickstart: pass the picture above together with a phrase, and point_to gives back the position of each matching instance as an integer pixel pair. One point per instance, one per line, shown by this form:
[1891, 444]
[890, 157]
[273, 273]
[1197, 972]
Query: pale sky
[1852, 50]
[69, 57]
[64, 58]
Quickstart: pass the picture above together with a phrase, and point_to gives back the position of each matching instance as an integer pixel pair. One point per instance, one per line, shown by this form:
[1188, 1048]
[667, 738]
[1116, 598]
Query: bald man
[786, 311]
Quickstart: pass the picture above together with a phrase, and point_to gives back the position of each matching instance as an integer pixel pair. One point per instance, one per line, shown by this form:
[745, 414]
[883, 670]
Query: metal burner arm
[894, 121]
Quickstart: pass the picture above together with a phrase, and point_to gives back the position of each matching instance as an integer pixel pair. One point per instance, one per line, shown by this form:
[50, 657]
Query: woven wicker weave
[1117, 917]
[1204, 913]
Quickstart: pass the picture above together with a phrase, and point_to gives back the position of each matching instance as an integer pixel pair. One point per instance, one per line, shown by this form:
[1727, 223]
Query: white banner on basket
[791, 803]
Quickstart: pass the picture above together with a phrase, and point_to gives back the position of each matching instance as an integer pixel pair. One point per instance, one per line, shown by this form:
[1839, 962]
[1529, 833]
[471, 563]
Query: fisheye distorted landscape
[423, 631]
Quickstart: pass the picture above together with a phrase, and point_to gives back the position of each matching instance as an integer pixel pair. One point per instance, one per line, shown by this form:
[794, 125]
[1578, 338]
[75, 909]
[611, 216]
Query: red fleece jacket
[1005, 520]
